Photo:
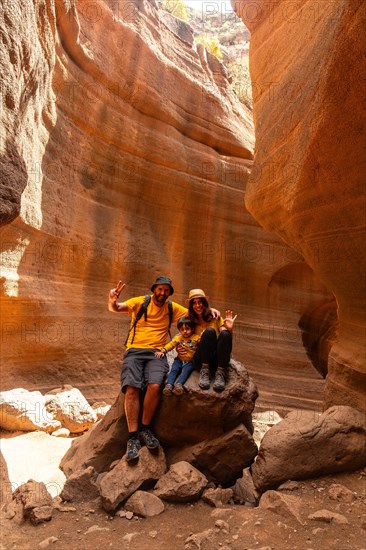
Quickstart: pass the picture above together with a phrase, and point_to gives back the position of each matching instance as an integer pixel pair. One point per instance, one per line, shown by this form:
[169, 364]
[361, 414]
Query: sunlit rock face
[307, 184]
[126, 156]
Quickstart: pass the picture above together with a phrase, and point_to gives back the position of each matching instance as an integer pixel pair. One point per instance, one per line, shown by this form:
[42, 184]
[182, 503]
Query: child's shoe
[168, 389]
[178, 389]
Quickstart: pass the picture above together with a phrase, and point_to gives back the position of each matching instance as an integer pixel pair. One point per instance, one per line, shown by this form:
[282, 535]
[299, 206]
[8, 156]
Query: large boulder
[103, 444]
[32, 501]
[221, 459]
[202, 415]
[69, 406]
[183, 428]
[25, 411]
[306, 445]
[81, 486]
[119, 483]
[182, 483]
[144, 504]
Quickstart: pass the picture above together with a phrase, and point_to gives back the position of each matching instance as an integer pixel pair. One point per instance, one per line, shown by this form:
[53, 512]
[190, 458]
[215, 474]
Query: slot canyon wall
[125, 155]
[307, 184]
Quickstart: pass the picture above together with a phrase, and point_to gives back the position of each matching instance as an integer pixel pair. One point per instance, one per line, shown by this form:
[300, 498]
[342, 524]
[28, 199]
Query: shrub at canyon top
[177, 8]
[212, 45]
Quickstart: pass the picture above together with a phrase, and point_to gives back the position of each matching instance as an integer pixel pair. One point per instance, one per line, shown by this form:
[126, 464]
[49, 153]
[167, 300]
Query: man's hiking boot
[168, 389]
[149, 439]
[133, 449]
[178, 389]
[204, 382]
[219, 382]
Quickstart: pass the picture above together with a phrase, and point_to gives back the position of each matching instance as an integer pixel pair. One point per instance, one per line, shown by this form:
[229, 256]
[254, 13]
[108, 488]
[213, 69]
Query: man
[141, 369]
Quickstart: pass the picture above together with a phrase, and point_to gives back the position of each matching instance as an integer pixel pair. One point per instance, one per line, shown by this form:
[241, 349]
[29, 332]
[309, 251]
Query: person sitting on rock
[182, 365]
[216, 340]
[142, 372]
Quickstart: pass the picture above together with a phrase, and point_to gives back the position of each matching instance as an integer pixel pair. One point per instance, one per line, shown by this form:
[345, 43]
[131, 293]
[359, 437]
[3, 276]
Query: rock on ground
[69, 406]
[125, 478]
[182, 483]
[305, 445]
[144, 504]
[23, 410]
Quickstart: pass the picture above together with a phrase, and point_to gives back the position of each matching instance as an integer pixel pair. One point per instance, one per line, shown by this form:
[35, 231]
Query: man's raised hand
[115, 292]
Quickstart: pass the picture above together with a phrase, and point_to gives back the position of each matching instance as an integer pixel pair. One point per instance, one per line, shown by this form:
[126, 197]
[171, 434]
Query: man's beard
[160, 299]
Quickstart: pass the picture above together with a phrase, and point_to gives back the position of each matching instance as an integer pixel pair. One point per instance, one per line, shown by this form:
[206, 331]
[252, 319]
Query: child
[182, 365]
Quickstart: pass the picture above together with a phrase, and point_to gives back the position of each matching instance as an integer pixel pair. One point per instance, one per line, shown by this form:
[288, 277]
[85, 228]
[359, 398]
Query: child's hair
[186, 321]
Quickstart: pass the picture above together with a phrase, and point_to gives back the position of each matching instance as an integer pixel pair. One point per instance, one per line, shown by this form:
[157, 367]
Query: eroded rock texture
[307, 184]
[126, 156]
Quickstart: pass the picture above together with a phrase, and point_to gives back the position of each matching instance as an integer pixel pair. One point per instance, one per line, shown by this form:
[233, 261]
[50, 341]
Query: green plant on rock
[212, 45]
[177, 8]
[240, 77]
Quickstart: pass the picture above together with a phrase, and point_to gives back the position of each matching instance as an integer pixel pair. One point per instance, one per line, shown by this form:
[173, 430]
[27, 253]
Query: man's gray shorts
[140, 367]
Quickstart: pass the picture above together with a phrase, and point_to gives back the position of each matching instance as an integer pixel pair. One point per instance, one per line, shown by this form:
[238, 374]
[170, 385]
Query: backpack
[143, 312]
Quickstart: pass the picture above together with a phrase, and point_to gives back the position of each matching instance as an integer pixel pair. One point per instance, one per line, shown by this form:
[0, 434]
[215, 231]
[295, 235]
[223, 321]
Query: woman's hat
[163, 281]
[196, 293]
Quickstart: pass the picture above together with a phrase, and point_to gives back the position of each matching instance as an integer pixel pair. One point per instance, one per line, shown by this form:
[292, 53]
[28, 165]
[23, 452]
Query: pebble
[94, 528]
[153, 534]
[129, 515]
[222, 525]
[129, 536]
[121, 513]
[46, 542]
[66, 509]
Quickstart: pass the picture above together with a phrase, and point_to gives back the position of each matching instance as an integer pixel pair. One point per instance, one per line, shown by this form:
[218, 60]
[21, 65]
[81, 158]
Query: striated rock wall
[126, 156]
[307, 184]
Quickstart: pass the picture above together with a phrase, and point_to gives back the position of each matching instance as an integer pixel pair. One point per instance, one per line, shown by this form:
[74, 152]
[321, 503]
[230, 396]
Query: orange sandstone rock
[126, 155]
[307, 182]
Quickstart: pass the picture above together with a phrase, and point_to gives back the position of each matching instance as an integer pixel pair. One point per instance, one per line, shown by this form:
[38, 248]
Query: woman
[216, 340]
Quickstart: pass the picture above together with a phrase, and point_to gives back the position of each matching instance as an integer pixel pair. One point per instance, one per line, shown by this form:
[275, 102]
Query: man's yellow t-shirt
[152, 333]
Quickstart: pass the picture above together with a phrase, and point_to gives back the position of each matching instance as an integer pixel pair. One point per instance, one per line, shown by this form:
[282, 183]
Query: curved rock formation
[117, 128]
[307, 182]
[126, 155]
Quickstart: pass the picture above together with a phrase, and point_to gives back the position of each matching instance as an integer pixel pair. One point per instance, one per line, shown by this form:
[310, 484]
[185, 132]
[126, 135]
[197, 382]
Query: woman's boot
[219, 382]
[204, 382]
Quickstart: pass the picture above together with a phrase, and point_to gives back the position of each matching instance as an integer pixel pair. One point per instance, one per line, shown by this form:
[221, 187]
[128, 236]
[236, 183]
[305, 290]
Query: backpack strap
[170, 309]
[142, 311]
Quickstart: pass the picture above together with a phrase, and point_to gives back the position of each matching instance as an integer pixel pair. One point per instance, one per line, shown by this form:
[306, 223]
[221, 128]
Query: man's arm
[215, 313]
[113, 305]
[168, 347]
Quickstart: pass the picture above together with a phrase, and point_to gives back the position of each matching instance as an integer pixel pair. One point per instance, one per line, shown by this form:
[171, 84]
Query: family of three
[204, 342]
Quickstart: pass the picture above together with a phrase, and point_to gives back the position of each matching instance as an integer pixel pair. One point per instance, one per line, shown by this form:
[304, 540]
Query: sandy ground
[180, 527]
